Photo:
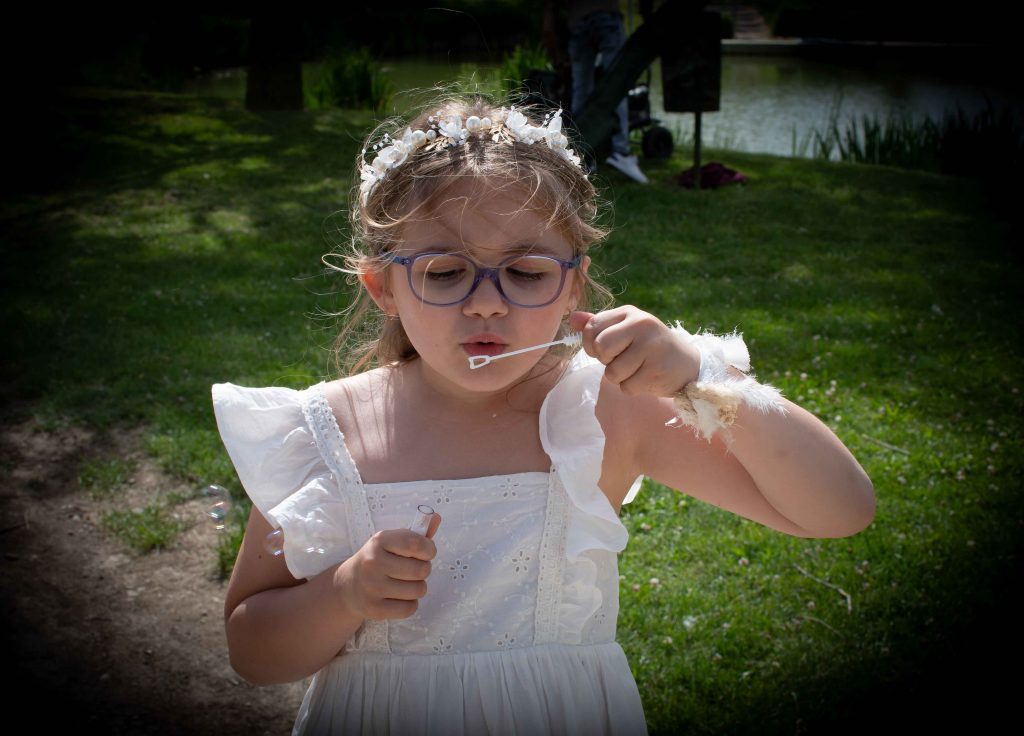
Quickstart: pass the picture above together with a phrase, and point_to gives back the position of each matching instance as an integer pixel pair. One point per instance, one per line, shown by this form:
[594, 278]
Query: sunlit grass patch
[152, 527]
[103, 477]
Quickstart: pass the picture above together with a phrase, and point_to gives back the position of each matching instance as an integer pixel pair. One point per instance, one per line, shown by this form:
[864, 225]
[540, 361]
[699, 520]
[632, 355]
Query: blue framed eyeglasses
[446, 279]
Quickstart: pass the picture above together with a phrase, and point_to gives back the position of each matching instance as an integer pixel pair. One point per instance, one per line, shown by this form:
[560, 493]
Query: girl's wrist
[343, 590]
[691, 360]
[710, 403]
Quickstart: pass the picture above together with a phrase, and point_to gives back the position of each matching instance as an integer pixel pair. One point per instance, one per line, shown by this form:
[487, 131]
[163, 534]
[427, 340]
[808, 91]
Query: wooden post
[696, 149]
[691, 75]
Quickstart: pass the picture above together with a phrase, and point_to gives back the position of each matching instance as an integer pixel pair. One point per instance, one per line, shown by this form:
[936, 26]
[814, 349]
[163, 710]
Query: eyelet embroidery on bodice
[547, 561]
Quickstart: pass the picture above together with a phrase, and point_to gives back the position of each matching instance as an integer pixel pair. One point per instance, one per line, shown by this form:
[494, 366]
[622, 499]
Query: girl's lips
[484, 344]
[484, 348]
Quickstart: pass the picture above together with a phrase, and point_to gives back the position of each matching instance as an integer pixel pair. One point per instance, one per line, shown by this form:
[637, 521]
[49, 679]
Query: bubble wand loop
[479, 361]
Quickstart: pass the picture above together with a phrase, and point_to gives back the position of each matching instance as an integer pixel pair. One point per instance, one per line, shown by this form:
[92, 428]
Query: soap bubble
[220, 504]
[274, 543]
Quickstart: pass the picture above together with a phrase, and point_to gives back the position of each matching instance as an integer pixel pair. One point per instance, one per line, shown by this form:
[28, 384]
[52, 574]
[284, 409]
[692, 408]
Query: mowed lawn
[164, 243]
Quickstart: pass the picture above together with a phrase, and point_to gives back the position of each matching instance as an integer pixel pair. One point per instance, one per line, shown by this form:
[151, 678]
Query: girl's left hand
[640, 352]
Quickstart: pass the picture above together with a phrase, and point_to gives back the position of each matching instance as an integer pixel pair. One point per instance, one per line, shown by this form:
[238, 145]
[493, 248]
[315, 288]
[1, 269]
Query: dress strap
[552, 562]
[373, 635]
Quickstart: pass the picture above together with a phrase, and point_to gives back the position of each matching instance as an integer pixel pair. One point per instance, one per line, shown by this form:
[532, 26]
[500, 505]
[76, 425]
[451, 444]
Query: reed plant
[349, 78]
[516, 66]
[511, 80]
[959, 143]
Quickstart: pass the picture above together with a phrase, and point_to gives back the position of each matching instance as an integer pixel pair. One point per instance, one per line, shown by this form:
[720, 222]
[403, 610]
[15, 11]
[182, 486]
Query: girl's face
[488, 229]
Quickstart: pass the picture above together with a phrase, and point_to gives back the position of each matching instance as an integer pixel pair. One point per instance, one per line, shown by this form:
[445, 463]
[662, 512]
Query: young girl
[472, 228]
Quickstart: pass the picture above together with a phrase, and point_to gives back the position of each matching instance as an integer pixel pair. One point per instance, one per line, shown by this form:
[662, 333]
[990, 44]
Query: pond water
[769, 104]
[774, 104]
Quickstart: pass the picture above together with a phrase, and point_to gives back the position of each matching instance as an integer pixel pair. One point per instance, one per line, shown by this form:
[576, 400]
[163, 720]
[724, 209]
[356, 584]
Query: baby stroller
[656, 142]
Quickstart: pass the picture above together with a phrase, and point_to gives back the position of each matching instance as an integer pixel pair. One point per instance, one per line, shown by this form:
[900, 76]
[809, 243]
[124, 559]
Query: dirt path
[99, 636]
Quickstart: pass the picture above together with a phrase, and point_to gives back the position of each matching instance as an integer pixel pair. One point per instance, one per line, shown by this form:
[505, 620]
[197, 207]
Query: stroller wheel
[657, 142]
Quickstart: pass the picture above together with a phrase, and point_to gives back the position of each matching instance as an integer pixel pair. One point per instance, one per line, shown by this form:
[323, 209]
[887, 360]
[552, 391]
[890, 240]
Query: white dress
[516, 634]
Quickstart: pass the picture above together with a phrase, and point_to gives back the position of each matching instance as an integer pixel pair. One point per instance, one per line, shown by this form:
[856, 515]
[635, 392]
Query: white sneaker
[627, 165]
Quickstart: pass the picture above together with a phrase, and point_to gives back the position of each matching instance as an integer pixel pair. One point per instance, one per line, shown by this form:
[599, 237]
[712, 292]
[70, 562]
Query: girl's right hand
[387, 576]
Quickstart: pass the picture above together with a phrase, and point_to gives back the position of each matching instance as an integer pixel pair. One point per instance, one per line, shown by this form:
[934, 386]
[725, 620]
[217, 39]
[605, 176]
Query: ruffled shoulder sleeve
[277, 458]
[266, 436]
[572, 436]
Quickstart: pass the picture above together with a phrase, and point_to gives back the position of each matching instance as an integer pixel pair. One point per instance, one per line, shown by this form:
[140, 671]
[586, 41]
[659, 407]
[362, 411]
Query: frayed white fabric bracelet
[710, 403]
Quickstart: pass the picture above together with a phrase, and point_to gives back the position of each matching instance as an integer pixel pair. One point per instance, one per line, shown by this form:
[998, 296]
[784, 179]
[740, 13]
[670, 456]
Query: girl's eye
[440, 269]
[520, 274]
[449, 275]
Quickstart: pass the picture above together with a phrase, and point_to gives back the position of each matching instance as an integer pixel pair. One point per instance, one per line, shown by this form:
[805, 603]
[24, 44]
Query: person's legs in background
[582, 54]
[602, 33]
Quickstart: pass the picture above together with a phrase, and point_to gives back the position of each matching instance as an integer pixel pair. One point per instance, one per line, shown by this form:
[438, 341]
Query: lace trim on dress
[373, 635]
[552, 563]
[319, 417]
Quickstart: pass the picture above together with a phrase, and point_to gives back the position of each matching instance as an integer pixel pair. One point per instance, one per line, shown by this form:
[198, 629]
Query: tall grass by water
[350, 78]
[178, 245]
[959, 143]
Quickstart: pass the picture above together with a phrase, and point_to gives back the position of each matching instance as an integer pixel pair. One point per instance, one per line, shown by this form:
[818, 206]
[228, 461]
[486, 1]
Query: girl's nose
[485, 301]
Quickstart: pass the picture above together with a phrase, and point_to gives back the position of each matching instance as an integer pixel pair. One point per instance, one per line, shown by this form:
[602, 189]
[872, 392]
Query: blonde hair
[550, 183]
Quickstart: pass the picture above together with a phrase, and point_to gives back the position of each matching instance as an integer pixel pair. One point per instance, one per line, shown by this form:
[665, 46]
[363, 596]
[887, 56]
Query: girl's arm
[787, 471]
[280, 629]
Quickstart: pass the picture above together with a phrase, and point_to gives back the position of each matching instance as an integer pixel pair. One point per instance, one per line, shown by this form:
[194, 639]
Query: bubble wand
[479, 361]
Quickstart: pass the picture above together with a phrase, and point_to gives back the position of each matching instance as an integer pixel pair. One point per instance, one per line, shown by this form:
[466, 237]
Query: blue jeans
[597, 33]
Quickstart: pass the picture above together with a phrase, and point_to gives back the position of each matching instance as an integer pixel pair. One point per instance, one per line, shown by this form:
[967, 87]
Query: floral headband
[448, 132]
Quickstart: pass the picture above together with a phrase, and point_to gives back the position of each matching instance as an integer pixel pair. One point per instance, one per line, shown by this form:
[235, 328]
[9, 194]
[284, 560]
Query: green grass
[346, 78]
[957, 143]
[103, 478]
[152, 527]
[176, 243]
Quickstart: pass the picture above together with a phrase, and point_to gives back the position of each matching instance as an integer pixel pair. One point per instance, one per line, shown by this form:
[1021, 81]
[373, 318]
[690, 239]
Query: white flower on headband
[452, 129]
[392, 156]
[511, 127]
[557, 140]
[519, 126]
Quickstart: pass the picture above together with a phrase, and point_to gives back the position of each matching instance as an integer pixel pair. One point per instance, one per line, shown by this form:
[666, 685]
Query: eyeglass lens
[448, 278]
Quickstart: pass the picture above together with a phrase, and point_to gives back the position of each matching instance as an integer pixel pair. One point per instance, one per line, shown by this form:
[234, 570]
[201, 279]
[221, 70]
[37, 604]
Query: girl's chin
[510, 371]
